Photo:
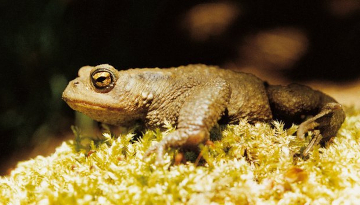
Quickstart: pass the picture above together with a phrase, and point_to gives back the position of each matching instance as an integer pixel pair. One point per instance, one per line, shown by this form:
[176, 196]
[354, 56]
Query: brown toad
[195, 98]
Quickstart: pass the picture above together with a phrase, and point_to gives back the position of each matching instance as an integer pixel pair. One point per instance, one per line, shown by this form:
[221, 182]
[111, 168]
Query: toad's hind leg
[293, 102]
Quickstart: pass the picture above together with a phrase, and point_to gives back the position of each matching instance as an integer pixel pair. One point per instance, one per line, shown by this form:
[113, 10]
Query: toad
[196, 97]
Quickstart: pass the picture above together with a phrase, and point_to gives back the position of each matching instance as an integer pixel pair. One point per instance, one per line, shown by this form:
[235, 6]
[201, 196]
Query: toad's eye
[103, 79]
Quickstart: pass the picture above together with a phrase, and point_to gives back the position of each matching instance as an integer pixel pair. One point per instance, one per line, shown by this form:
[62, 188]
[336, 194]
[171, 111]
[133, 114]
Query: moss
[249, 164]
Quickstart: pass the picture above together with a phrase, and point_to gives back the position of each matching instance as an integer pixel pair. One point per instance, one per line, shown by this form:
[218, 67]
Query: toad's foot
[177, 139]
[323, 125]
[159, 150]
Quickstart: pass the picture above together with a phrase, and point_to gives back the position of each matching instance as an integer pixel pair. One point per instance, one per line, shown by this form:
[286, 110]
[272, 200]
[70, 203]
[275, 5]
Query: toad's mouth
[81, 105]
[105, 114]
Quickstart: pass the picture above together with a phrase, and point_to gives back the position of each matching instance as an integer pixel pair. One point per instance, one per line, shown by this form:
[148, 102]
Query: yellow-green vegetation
[247, 164]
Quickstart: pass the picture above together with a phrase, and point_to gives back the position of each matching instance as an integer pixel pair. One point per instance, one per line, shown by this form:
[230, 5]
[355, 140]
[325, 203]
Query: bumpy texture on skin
[195, 98]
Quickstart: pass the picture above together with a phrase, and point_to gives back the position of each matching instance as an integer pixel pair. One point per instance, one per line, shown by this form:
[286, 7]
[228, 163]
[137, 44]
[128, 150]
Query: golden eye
[103, 79]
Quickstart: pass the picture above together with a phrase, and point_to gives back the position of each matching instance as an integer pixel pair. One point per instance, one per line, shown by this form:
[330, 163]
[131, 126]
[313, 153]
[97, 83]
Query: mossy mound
[249, 164]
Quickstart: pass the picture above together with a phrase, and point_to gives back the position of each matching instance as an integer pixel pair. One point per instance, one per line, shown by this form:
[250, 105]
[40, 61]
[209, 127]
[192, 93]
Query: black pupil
[101, 79]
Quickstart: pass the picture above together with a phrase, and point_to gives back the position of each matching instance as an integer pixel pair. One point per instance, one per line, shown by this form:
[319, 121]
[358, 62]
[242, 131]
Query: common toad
[195, 98]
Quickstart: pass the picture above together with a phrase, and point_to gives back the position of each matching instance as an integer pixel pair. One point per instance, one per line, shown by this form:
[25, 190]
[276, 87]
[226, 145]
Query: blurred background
[43, 43]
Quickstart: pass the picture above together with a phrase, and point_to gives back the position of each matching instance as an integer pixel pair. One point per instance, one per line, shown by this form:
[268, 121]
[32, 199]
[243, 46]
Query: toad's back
[248, 94]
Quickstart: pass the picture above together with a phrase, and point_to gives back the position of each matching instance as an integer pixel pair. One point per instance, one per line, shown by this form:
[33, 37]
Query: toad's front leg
[200, 112]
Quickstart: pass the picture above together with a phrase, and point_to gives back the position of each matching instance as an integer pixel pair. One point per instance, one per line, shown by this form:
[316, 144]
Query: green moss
[249, 164]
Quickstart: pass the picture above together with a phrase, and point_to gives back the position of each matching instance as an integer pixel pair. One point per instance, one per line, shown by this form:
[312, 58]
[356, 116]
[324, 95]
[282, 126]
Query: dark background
[44, 43]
